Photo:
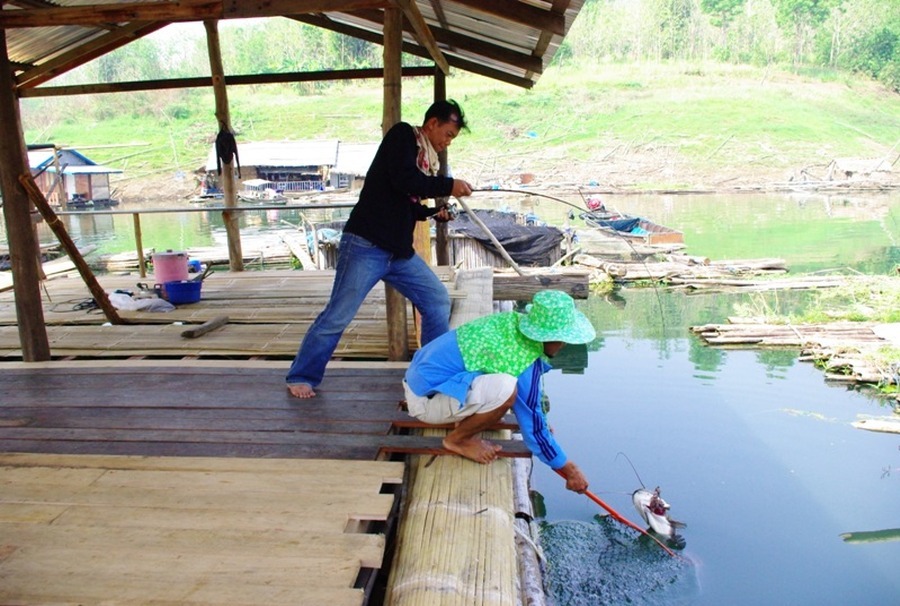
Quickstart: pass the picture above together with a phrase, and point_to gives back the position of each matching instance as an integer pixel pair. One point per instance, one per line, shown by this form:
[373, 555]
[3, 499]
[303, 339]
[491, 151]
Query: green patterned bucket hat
[552, 317]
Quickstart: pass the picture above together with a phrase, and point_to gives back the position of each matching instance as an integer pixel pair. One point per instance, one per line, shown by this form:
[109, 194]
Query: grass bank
[640, 126]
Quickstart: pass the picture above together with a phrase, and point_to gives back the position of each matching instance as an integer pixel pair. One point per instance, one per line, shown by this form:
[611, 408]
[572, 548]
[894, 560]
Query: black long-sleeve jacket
[389, 203]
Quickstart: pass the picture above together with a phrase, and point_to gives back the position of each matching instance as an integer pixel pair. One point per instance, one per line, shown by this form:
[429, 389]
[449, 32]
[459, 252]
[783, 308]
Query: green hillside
[639, 126]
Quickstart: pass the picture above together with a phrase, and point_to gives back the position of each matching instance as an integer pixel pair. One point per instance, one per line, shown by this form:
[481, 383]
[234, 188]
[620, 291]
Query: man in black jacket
[377, 243]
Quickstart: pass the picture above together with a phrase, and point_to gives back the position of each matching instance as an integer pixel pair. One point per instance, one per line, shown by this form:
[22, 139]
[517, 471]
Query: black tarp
[532, 245]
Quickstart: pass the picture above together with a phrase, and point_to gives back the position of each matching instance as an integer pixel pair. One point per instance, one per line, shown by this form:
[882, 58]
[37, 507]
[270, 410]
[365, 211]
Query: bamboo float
[530, 556]
[843, 349]
[455, 545]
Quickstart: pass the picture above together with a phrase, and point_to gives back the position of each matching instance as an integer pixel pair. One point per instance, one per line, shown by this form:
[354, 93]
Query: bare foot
[475, 449]
[301, 390]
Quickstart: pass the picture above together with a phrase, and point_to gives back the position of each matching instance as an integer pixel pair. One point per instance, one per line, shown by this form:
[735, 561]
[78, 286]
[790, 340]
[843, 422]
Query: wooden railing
[136, 216]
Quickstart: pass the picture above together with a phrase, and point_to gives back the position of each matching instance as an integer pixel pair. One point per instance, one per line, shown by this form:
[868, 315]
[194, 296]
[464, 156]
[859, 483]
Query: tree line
[854, 35]
[860, 36]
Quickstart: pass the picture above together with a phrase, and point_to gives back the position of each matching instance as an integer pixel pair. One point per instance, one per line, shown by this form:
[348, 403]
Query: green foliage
[860, 299]
[722, 12]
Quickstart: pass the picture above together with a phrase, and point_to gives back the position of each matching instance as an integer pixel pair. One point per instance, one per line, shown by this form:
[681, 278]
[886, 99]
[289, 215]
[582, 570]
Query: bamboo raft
[696, 272]
[840, 348]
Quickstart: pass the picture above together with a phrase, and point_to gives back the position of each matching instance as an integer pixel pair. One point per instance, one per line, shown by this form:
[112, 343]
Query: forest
[860, 36]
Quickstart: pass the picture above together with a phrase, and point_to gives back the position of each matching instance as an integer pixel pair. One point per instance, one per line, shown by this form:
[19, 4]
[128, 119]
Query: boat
[633, 229]
[260, 191]
[262, 198]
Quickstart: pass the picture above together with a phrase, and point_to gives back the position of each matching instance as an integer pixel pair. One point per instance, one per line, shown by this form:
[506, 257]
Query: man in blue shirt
[473, 375]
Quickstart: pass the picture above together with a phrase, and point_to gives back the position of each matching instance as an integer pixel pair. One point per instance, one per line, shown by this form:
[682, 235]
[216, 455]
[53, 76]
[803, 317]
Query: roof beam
[520, 12]
[412, 49]
[174, 10]
[530, 63]
[205, 81]
[422, 32]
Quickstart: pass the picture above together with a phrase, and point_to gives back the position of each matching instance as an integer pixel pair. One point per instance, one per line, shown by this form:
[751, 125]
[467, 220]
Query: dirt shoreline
[635, 176]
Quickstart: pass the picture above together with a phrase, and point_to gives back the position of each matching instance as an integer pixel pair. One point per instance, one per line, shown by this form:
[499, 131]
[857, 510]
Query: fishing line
[637, 475]
[643, 261]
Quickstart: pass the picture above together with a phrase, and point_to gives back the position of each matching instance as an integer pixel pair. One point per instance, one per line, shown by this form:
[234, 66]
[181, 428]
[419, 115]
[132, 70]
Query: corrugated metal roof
[72, 162]
[510, 40]
[355, 158]
[285, 154]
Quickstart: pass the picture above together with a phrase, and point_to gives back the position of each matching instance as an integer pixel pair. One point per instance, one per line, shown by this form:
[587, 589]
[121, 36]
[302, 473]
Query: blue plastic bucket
[182, 291]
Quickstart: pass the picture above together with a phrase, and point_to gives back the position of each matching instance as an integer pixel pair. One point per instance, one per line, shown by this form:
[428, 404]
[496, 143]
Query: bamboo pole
[442, 242]
[139, 243]
[53, 222]
[16, 212]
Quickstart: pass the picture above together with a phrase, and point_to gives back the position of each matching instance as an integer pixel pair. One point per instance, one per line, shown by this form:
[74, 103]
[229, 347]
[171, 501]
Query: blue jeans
[360, 266]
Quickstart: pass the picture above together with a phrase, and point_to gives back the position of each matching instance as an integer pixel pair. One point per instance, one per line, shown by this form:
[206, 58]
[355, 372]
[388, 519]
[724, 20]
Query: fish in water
[655, 511]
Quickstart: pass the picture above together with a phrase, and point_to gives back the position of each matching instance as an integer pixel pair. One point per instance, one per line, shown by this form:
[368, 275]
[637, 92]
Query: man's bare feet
[475, 449]
[301, 390]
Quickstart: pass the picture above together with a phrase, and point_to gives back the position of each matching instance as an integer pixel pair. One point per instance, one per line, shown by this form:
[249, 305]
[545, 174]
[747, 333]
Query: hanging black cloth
[226, 150]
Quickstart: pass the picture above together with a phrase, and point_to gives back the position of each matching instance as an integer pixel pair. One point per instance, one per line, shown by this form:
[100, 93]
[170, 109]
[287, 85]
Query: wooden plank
[388, 471]
[378, 443]
[188, 531]
[209, 325]
[879, 425]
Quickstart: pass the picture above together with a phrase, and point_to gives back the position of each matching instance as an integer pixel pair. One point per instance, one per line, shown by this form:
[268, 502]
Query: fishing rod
[567, 203]
[620, 518]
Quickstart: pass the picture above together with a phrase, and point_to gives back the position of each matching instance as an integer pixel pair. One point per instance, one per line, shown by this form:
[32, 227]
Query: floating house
[352, 165]
[70, 179]
[298, 166]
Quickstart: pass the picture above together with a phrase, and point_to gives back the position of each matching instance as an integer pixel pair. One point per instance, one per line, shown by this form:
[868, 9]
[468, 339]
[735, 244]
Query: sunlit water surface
[752, 449]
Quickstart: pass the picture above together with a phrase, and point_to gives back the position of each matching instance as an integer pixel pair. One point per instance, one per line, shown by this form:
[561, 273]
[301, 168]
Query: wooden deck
[268, 314]
[200, 481]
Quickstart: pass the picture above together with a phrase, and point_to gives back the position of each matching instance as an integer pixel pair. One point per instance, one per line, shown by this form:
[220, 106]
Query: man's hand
[443, 215]
[461, 188]
[575, 480]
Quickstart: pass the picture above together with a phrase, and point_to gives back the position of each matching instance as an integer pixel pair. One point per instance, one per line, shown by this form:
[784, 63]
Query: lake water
[753, 449]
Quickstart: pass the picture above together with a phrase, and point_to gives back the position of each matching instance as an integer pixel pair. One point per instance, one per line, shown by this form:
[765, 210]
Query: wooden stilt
[223, 118]
[17, 214]
[398, 339]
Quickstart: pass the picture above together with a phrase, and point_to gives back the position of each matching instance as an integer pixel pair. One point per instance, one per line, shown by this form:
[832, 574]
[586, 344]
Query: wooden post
[223, 118]
[398, 337]
[442, 239]
[17, 214]
[139, 244]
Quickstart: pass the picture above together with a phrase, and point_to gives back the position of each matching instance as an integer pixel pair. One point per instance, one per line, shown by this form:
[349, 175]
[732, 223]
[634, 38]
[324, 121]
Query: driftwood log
[696, 272]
